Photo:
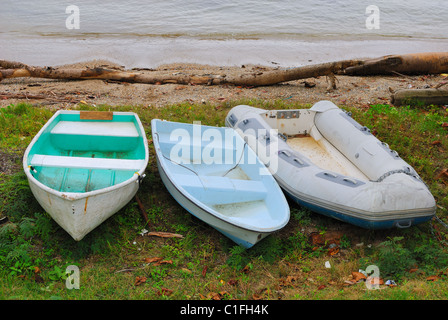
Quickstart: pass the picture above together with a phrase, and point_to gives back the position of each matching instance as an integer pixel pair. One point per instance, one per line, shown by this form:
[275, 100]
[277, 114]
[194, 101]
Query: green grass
[35, 251]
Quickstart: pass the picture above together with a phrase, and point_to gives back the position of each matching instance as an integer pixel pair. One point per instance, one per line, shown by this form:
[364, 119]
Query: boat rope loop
[179, 164]
[241, 157]
[139, 177]
[171, 160]
[405, 171]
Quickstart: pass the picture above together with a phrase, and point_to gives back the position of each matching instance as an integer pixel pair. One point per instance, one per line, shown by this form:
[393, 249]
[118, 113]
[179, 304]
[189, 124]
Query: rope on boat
[140, 177]
[179, 164]
[407, 171]
[241, 156]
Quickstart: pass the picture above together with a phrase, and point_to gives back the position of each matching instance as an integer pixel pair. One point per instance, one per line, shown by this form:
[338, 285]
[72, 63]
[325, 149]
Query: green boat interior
[78, 155]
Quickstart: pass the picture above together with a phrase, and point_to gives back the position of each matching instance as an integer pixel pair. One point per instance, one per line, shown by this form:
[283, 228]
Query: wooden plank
[110, 129]
[41, 160]
[96, 115]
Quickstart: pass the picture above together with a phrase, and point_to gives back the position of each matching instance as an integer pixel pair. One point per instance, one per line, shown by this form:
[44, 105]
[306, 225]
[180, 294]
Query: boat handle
[395, 153]
[350, 180]
[364, 128]
[331, 174]
[232, 120]
[285, 153]
[281, 135]
[398, 225]
[298, 161]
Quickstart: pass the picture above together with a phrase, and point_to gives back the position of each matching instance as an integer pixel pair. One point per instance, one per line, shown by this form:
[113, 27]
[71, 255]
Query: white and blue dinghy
[84, 166]
[213, 174]
[328, 162]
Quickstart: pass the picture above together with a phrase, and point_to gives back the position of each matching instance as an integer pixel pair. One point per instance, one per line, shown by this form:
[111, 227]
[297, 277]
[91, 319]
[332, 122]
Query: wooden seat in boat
[40, 160]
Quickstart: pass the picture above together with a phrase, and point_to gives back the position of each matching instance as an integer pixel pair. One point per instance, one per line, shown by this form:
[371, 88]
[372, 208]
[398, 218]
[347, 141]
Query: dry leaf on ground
[374, 281]
[233, 282]
[164, 292]
[139, 280]
[163, 262]
[357, 276]
[154, 259]
[433, 278]
[288, 281]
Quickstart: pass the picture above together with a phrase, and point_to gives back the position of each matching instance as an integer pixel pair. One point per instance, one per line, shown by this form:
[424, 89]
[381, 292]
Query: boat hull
[241, 236]
[79, 216]
[360, 220]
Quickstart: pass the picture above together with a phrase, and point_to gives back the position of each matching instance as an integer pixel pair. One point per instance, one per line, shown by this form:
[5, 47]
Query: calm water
[149, 33]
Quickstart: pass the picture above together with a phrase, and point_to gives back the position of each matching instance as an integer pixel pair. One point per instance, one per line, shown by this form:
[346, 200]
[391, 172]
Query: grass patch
[35, 251]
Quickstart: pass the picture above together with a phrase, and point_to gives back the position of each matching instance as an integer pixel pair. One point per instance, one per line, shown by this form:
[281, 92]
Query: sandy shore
[351, 91]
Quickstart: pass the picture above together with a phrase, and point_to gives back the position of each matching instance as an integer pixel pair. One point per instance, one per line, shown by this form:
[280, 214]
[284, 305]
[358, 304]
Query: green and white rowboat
[83, 166]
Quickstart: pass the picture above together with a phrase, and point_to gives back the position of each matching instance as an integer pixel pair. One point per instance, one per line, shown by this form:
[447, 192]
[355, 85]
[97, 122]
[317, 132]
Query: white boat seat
[220, 183]
[115, 129]
[40, 160]
[215, 190]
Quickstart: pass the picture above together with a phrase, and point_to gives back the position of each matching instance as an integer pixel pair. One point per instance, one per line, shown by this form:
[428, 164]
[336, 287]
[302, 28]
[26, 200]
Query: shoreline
[153, 52]
[351, 91]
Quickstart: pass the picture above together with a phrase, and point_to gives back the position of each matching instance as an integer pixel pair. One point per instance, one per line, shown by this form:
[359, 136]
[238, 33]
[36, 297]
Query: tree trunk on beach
[417, 63]
[247, 79]
[423, 63]
[420, 97]
[99, 73]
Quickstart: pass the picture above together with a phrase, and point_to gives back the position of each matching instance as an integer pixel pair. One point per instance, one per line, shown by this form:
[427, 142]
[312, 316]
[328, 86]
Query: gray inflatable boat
[324, 160]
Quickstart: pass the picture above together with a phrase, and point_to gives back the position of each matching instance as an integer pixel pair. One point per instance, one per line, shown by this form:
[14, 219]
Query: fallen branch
[442, 83]
[416, 63]
[142, 209]
[100, 73]
[423, 63]
[7, 95]
[246, 79]
[277, 76]
[163, 234]
[419, 97]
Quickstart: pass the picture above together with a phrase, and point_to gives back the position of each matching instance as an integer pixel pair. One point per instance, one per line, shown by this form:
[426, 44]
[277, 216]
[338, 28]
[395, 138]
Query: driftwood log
[423, 63]
[258, 78]
[419, 97]
[417, 63]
